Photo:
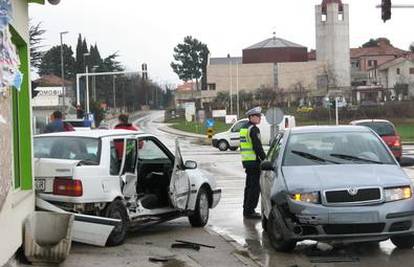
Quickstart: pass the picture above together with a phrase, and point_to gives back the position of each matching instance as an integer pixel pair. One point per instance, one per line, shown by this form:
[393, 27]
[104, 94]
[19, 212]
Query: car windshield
[381, 128]
[63, 147]
[335, 148]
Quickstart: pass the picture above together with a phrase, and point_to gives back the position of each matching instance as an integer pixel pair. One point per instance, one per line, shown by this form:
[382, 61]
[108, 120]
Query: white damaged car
[129, 176]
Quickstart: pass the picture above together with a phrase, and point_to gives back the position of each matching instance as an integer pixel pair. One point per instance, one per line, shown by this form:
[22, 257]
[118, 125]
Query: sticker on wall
[2, 120]
[10, 76]
[5, 13]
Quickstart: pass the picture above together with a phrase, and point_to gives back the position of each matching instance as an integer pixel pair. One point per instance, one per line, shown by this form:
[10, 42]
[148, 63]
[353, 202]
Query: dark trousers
[251, 190]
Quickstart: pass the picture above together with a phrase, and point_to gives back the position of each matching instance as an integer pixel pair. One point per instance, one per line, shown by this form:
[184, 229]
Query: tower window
[340, 16]
[398, 71]
[324, 17]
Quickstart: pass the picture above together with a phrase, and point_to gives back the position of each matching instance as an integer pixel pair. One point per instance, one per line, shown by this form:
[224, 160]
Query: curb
[243, 254]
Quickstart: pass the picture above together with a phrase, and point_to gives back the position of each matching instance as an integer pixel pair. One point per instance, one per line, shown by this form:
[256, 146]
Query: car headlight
[397, 193]
[312, 197]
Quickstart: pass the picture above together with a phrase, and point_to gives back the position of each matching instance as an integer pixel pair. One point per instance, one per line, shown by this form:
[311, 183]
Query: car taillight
[67, 187]
[397, 142]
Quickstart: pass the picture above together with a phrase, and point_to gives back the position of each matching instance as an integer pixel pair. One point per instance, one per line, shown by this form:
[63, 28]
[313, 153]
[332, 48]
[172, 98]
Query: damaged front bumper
[350, 223]
[93, 230]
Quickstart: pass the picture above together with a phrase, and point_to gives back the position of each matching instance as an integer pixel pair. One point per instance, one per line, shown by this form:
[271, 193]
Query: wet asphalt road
[227, 217]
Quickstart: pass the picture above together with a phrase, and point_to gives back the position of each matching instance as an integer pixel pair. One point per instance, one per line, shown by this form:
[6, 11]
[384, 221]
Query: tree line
[131, 91]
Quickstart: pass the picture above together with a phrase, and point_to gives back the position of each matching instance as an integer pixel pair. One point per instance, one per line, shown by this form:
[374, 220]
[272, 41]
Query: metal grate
[343, 196]
[343, 229]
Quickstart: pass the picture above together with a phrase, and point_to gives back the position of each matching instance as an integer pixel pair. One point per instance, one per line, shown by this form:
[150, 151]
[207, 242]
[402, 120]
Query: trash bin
[47, 237]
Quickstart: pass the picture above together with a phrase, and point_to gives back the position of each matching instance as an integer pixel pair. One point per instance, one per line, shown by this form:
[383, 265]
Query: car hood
[316, 178]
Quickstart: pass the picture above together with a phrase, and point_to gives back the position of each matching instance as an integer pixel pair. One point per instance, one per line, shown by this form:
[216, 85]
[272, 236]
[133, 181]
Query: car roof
[370, 120]
[329, 129]
[95, 133]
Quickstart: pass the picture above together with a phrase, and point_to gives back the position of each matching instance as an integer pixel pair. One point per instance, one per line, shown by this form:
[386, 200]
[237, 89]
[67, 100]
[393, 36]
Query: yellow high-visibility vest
[246, 145]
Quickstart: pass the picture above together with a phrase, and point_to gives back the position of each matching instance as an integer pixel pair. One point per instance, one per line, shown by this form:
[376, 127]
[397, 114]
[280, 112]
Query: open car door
[180, 188]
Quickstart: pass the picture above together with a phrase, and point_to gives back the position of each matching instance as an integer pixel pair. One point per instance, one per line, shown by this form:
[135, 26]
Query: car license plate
[40, 185]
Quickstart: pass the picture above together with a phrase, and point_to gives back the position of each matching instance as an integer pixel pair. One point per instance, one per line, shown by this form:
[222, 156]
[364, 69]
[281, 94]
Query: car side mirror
[267, 166]
[190, 165]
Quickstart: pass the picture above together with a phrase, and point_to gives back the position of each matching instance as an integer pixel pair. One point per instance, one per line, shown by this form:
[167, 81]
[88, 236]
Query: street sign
[274, 116]
[210, 123]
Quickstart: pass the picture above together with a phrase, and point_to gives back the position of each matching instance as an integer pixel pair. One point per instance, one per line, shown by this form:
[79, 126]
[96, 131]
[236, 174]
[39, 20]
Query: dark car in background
[388, 133]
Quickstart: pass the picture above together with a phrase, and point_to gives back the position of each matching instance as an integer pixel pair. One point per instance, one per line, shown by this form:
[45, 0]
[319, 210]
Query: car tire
[199, 217]
[117, 210]
[277, 238]
[403, 241]
[222, 145]
[234, 148]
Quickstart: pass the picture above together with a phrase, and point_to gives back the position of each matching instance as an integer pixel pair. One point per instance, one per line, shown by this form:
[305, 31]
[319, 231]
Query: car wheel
[117, 210]
[223, 145]
[276, 236]
[234, 148]
[403, 241]
[202, 210]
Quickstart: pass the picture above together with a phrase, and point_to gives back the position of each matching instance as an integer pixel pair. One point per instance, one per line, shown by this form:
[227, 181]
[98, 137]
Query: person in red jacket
[125, 125]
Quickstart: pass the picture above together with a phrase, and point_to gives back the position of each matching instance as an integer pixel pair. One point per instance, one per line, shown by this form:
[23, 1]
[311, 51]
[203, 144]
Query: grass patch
[405, 127]
[196, 127]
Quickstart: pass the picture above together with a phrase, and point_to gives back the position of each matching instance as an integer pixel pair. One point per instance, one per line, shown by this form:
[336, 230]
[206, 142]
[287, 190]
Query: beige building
[396, 77]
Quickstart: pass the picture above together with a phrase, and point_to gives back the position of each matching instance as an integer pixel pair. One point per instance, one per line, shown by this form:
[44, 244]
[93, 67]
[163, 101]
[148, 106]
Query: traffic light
[386, 10]
[332, 104]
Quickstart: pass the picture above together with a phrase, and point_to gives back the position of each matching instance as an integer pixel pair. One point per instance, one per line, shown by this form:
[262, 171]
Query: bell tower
[332, 42]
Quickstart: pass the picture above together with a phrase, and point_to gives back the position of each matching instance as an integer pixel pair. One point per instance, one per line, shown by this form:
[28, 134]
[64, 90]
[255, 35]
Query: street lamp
[113, 91]
[94, 83]
[231, 84]
[62, 68]
[87, 81]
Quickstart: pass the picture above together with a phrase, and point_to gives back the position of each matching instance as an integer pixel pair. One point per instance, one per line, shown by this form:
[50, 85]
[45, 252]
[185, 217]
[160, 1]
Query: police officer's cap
[254, 111]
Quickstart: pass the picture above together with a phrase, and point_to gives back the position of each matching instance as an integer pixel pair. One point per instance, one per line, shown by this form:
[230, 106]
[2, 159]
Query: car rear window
[381, 128]
[63, 147]
[77, 123]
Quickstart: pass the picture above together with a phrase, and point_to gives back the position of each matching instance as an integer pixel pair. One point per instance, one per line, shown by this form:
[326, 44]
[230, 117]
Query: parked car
[130, 176]
[334, 183]
[388, 133]
[230, 139]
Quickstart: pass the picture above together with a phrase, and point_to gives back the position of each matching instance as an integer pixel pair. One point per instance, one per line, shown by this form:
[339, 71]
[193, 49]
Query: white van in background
[230, 139]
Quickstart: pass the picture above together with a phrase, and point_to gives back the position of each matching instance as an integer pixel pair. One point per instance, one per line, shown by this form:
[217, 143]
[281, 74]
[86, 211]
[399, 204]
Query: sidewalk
[155, 242]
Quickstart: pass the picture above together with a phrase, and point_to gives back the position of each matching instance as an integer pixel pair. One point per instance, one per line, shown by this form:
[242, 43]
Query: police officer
[252, 154]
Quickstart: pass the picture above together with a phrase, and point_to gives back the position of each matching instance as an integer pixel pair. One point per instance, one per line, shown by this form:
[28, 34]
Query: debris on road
[193, 243]
[189, 246]
[159, 259]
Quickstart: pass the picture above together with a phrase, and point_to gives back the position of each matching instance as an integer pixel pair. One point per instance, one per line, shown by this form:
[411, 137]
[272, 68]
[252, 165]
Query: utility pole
[87, 81]
[62, 68]
[336, 111]
[231, 84]
[113, 90]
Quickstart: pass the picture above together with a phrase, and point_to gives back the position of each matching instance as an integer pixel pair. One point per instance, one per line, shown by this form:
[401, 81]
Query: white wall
[332, 42]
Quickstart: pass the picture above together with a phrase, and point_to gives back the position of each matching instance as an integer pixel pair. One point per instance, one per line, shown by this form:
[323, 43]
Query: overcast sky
[147, 31]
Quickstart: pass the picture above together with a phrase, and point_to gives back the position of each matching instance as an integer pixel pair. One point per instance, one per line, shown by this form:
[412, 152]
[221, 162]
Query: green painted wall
[24, 147]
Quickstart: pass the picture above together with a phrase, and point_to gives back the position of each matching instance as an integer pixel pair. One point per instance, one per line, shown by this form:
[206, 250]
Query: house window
[411, 70]
[398, 71]
[211, 86]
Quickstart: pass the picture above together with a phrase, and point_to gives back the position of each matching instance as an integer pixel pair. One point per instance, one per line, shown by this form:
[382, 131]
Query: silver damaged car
[340, 184]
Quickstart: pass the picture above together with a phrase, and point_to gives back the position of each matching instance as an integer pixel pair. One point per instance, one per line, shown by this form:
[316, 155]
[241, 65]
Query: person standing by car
[252, 154]
[124, 124]
[57, 124]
